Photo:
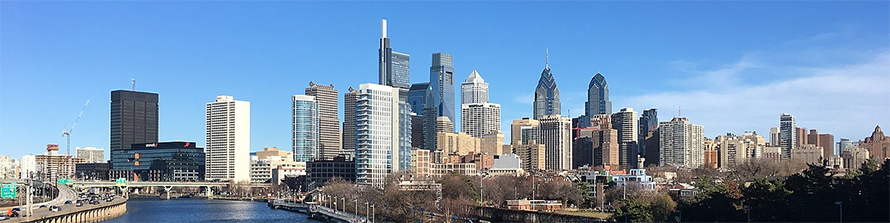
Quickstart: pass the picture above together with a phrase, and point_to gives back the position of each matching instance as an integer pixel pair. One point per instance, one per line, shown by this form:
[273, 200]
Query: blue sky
[730, 66]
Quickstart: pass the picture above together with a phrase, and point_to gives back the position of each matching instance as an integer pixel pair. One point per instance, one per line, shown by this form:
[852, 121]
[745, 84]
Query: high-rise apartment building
[134, 118]
[228, 140]
[328, 119]
[600, 141]
[737, 149]
[532, 155]
[800, 137]
[844, 144]
[474, 89]
[682, 143]
[478, 119]
[405, 130]
[377, 133]
[625, 121]
[493, 143]
[523, 131]
[442, 82]
[393, 66]
[597, 98]
[787, 134]
[90, 154]
[773, 136]
[348, 134]
[546, 95]
[556, 135]
[306, 127]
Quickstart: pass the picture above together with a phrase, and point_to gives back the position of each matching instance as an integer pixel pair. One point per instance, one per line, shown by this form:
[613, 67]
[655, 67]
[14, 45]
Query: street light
[748, 211]
[841, 208]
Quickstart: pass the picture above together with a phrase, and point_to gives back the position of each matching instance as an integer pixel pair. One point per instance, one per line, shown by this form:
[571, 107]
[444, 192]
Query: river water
[202, 210]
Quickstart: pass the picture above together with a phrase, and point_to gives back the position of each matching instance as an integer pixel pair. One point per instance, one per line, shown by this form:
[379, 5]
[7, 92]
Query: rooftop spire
[547, 58]
[383, 22]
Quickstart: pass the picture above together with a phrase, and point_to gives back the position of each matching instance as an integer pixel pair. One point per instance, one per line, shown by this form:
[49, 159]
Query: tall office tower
[648, 121]
[787, 134]
[134, 118]
[405, 130]
[394, 66]
[306, 125]
[228, 140]
[328, 119]
[418, 96]
[597, 98]
[478, 119]
[442, 82]
[774, 136]
[474, 89]
[377, 133]
[681, 142]
[625, 121]
[349, 121]
[523, 131]
[556, 135]
[546, 94]
[416, 131]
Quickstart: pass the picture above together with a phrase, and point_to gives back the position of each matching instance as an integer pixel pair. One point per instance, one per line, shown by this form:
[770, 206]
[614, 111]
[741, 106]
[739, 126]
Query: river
[202, 210]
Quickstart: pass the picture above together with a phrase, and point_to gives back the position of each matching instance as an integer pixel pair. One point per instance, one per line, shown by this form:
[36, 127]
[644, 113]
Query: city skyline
[25, 128]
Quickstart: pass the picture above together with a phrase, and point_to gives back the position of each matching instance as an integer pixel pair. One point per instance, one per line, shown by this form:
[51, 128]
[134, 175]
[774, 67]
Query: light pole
[841, 209]
[748, 211]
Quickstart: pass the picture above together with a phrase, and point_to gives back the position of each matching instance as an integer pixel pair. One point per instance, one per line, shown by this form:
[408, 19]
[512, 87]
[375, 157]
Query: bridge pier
[210, 192]
[167, 190]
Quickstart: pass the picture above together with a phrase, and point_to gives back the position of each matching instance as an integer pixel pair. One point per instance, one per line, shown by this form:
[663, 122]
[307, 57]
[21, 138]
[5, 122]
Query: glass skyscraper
[597, 99]
[305, 129]
[442, 82]
[418, 96]
[546, 95]
[394, 66]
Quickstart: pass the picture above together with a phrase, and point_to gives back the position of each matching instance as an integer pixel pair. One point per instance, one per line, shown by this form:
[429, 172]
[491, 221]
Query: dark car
[94, 202]
[68, 202]
[42, 206]
[78, 204]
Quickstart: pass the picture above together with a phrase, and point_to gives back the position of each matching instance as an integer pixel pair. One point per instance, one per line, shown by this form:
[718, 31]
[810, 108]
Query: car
[94, 202]
[55, 208]
[42, 206]
[68, 202]
[3, 217]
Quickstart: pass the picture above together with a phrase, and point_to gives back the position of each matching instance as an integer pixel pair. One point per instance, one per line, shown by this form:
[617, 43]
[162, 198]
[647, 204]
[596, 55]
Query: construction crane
[66, 132]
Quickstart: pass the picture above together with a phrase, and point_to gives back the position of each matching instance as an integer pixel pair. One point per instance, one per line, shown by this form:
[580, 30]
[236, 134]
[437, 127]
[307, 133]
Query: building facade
[878, 144]
[682, 143]
[442, 82]
[625, 121]
[597, 98]
[160, 161]
[556, 135]
[134, 118]
[349, 121]
[306, 134]
[478, 119]
[393, 66]
[787, 134]
[326, 97]
[90, 154]
[474, 89]
[377, 133]
[228, 140]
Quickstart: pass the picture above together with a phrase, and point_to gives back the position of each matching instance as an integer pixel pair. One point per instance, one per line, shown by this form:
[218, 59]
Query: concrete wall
[99, 213]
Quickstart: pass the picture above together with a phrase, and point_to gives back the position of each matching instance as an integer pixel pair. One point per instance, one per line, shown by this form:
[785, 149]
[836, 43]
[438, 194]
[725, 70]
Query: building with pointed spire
[474, 89]
[546, 94]
[597, 99]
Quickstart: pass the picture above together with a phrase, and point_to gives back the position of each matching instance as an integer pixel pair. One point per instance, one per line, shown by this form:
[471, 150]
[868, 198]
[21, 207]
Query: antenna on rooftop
[134, 84]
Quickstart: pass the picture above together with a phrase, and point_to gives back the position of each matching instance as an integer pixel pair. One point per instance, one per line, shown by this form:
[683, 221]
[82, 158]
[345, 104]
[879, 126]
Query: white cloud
[847, 100]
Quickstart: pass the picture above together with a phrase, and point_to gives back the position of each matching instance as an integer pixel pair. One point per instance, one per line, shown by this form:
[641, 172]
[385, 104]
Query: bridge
[140, 184]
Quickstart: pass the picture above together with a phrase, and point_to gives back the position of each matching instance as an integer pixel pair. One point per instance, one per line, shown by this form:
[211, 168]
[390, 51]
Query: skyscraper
[228, 140]
[394, 66]
[546, 95]
[597, 98]
[328, 120]
[442, 82]
[648, 121]
[377, 133]
[682, 143]
[349, 121]
[556, 135]
[134, 118]
[474, 89]
[418, 96]
[306, 129]
[625, 121]
[787, 134]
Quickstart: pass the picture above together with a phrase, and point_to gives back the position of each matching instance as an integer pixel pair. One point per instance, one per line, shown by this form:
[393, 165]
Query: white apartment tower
[228, 140]
[556, 135]
[681, 142]
[377, 133]
[478, 116]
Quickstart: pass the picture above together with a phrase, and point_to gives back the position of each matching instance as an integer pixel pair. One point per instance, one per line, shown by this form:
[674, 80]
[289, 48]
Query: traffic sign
[120, 181]
[8, 191]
